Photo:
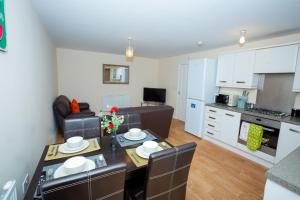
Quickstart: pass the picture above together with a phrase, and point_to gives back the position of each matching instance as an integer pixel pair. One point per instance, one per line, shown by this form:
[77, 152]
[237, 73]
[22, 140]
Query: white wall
[169, 66]
[80, 76]
[28, 86]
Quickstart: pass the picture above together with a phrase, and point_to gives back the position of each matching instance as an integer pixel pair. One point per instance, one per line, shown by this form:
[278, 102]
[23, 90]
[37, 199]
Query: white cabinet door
[230, 127]
[289, 140]
[296, 86]
[225, 69]
[276, 60]
[243, 76]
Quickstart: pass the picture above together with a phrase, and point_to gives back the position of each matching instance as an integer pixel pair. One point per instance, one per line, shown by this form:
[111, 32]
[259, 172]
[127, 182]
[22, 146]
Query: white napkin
[244, 131]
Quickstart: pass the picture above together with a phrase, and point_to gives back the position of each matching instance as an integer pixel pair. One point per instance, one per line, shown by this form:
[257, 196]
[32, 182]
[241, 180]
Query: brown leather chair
[167, 175]
[103, 183]
[84, 123]
[156, 118]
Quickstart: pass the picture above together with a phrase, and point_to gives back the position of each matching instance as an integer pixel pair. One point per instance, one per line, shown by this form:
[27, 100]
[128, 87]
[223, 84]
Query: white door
[194, 117]
[230, 127]
[181, 92]
[195, 79]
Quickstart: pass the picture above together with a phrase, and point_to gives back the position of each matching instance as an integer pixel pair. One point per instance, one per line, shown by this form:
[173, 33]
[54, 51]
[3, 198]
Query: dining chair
[102, 184]
[167, 175]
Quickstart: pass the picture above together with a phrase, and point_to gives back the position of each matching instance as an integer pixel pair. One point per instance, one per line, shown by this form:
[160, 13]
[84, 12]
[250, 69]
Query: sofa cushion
[75, 106]
[81, 114]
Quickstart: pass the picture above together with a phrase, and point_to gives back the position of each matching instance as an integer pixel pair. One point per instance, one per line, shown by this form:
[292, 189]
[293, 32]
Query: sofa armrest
[84, 106]
[88, 127]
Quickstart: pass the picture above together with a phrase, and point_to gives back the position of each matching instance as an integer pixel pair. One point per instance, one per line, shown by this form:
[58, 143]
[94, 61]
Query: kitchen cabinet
[230, 127]
[296, 86]
[236, 70]
[289, 140]
[225, 69]
[222, 125]
[280, 59]
[243, 76]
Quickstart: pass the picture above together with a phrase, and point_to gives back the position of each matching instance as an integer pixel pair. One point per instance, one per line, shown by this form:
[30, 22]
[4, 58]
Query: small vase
[113, 140]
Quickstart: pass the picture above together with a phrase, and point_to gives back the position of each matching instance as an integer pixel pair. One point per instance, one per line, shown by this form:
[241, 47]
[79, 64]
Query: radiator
[120, 101]
[9, 191]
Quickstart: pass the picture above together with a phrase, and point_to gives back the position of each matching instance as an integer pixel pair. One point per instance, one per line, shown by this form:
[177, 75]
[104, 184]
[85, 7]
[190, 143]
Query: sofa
[156, 118]
[84, 123]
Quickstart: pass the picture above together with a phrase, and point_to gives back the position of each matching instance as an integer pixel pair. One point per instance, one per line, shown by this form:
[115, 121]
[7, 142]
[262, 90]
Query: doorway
[181, 92]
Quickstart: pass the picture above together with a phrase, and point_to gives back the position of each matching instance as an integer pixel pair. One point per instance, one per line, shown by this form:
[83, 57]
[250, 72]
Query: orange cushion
[75, 106]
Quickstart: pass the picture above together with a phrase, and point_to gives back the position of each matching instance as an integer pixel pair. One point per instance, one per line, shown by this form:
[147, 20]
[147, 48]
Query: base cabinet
[289, 140]
[274, 191]
[222, 125]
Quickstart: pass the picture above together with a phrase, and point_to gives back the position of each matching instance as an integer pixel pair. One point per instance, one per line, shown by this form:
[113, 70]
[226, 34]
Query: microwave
[229, 100]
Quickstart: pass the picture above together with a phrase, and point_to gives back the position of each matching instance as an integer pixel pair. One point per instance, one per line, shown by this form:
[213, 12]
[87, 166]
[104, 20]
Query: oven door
[271, 129]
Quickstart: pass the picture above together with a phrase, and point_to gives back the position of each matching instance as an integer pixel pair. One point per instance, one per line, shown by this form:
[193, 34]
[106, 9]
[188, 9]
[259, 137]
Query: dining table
[111, 156]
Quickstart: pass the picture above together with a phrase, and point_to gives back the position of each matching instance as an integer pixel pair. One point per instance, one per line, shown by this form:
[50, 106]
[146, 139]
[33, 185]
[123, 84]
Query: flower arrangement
[110, 120]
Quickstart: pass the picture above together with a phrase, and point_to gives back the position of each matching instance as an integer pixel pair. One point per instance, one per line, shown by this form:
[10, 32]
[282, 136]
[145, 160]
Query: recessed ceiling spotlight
[199, 43]
[242, 39]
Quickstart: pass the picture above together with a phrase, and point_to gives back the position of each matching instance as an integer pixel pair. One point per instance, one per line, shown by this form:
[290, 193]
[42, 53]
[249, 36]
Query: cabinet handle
[211, 125]
[240, 82]
[211, 117]
[295, 131]
[209, 133]
[223, 81]
[230, 115]
[212, 111]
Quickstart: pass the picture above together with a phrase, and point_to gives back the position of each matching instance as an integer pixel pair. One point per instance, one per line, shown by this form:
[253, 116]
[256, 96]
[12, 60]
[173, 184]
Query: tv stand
[151, 103]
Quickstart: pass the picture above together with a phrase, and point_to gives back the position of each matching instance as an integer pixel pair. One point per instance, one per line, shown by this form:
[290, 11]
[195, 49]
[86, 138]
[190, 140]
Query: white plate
[140, 152]
[60, 172]
[63, 148]
[129, 137]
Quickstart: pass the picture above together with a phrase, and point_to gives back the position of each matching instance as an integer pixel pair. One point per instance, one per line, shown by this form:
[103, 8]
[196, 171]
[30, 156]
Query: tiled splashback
[238, 91]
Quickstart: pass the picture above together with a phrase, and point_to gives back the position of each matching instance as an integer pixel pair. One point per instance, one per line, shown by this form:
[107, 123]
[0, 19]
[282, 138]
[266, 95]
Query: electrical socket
[25, 183]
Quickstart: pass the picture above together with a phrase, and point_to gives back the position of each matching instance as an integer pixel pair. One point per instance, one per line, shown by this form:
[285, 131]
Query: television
[155, 95]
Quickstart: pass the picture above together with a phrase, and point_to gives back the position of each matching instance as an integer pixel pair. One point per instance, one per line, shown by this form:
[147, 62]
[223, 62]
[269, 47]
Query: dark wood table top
[111, 157]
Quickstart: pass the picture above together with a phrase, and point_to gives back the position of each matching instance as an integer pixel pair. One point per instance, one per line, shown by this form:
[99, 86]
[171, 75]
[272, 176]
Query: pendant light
[242, 39]
[129, 49]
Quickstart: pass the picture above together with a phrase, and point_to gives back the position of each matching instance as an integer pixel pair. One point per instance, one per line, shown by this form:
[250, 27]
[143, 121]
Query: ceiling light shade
[129, 50]
[242, 39]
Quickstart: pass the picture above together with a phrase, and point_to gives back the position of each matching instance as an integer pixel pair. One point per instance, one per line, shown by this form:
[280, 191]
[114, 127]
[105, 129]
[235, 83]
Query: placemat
[53, 152]
[139, 161]
[123, 142]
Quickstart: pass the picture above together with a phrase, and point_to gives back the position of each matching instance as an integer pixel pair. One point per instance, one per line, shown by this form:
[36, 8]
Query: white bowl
[150, 146]
[74, 165]
[74, 142]
[135, 132]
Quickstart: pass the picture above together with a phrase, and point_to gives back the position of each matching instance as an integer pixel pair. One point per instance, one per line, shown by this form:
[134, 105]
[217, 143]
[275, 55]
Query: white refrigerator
[201, 89]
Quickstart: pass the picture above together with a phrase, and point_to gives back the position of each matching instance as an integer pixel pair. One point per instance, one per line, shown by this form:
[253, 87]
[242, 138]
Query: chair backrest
[104, 183]
[131, 120]
[61, 109]
[168, 173]
[88, 127]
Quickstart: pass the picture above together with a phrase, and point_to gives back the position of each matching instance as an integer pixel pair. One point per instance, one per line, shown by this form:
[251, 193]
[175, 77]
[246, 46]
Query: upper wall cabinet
[276, 60]
[236, 70]
[225, 69]
[296, 87]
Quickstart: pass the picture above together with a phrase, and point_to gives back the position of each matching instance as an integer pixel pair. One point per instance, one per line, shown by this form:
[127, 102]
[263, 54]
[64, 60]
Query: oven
[271, 129]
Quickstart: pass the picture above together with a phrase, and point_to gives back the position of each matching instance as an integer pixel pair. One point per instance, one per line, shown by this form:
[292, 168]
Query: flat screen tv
[155, 95]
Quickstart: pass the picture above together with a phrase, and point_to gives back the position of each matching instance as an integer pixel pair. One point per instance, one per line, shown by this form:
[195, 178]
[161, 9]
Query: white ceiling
[162, 28]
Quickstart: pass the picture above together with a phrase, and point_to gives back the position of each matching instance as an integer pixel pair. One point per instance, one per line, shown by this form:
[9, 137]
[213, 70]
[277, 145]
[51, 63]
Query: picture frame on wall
[3, 39]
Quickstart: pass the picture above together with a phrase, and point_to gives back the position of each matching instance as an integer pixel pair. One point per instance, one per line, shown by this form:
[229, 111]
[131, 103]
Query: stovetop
[268, 112]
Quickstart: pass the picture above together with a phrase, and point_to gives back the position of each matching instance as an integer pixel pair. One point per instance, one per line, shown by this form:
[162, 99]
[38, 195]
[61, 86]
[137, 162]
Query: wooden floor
[217, 173]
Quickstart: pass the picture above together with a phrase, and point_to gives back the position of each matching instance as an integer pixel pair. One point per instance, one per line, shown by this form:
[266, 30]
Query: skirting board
[240, 152]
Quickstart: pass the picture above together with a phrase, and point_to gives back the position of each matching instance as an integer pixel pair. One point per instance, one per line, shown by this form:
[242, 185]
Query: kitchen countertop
[286, 172]
[291, 120]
